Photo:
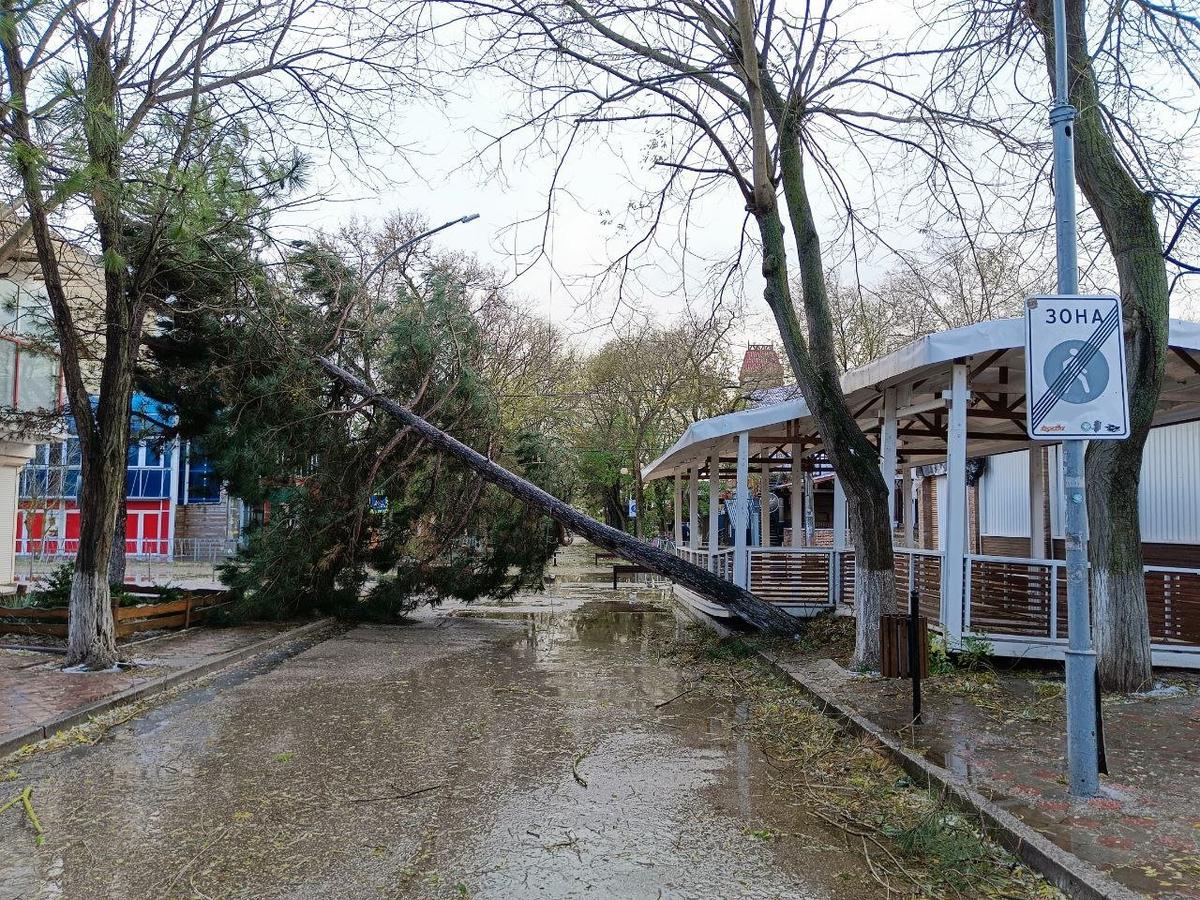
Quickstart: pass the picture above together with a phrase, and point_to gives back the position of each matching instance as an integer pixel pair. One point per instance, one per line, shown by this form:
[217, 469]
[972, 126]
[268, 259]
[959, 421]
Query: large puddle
[536, 749]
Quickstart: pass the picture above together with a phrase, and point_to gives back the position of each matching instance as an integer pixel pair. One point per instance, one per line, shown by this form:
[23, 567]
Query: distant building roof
[772, 395]
[760, 359]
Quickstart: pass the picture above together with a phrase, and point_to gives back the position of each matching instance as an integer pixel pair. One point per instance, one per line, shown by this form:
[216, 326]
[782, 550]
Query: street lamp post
[462, 220]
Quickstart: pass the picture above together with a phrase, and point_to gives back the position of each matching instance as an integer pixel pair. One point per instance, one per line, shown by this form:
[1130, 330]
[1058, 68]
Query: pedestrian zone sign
[1075, 375]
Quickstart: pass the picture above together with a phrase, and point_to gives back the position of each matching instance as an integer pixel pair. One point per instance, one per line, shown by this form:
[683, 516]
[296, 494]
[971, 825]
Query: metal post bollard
[914, 653]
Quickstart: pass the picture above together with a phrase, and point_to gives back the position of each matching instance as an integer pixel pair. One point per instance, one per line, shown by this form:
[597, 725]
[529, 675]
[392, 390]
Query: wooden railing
[190, 609]
[1023, 597]
[1015, 598]
[921, 570]
[1012, 596]
[796, 576]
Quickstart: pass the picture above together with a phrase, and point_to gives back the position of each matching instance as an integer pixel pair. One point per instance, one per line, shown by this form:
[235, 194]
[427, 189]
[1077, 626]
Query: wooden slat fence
[785, 575]
[190, 609]
[1173, 601]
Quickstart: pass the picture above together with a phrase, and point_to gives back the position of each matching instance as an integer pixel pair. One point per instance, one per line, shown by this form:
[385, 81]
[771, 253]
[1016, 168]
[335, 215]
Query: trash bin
[893, 646]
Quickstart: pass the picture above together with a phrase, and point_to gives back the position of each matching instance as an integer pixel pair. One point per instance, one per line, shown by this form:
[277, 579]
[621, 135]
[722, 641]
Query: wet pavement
[1004, 732]
[36, 689]
[536, 749]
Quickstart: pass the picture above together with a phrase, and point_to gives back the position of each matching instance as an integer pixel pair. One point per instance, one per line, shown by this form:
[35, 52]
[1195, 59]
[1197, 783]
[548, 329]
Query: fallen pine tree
[739, 601]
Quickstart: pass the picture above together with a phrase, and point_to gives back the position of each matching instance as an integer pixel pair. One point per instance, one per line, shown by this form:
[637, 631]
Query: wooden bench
[626, 570]
[602, 555]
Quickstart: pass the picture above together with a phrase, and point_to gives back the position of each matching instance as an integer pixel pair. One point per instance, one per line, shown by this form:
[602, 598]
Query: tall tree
[751, 104]
[110, 107]
[1133, 77]
[636, 393]
[365, 522]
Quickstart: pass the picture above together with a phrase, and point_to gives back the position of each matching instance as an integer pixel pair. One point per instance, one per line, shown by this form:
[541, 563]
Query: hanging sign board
[1075, 375]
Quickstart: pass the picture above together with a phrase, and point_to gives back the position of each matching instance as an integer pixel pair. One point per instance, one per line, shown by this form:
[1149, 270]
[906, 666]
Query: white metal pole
[797, 497]
[741, 512]
[694, 506]
[955, 529]
[1083, 778]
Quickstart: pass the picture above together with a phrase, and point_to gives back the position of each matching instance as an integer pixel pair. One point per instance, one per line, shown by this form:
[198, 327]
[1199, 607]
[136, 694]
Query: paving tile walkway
[1005, 734]
[36, 689]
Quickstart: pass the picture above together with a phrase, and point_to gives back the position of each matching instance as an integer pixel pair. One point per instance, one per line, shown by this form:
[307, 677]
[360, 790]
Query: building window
[203, 486]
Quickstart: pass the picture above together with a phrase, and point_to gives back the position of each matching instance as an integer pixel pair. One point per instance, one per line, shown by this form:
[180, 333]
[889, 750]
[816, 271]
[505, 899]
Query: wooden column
[956, 510]
[714, 501]
[907, 537]
[678, 504]
[887, 451]
[741, 512]
[694, 506]
[1037, 502]
[810, 511]
[797, 498]
[764, 513]
[839, 515]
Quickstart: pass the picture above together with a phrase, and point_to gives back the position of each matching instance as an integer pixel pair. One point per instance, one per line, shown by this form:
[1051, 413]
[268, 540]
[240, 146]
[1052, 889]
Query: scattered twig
[575, 767]
[212, 840]
[25, 798]
[679, 696]
[405, 796]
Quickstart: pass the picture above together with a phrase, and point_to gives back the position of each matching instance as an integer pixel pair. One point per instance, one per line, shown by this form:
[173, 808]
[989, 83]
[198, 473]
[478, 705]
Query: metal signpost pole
[1082, 759]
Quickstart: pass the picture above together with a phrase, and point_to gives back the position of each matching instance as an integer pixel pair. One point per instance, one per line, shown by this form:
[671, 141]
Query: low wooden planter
[190, 609]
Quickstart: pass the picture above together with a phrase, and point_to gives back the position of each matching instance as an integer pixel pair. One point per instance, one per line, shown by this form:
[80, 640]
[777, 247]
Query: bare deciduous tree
[135, 112]
[1134, 73]
[787, 112]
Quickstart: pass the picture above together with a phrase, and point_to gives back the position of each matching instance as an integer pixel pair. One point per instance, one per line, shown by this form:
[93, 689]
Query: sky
[441, 176]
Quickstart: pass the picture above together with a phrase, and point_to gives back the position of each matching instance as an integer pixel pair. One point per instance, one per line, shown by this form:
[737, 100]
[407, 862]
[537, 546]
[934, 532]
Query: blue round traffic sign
[1069, 380]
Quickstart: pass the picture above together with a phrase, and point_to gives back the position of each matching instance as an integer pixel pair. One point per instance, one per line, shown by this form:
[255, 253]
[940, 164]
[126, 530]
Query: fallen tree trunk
[742, 603]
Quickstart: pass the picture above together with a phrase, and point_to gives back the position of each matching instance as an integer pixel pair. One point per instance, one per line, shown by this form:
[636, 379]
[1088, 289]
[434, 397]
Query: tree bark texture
[813, 358]
[757, 612]
[1121, 626]
[91, 634]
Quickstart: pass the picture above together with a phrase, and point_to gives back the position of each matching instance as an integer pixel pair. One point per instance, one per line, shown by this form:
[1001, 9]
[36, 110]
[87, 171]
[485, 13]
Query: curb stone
[1066, 871]
[13, 740]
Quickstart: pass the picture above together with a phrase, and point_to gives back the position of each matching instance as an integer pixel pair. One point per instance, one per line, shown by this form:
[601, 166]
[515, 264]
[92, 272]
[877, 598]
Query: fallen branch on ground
[25, 798]
[738, 600]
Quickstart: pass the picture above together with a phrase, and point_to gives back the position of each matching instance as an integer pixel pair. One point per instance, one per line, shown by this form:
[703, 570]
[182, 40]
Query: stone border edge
[1066, 871]
[16, 739]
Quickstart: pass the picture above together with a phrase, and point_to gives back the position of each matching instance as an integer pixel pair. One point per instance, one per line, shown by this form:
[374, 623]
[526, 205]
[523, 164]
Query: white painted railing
[719, 563]
[1019, 603]
[794, 576]
[1012, 595]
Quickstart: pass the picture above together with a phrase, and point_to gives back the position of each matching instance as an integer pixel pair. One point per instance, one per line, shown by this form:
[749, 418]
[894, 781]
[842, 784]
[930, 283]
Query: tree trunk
[755, 611]
[614, 516]
[91, 632]
[1126, 215]
[116, 557]
[91, 638]
[813, 360]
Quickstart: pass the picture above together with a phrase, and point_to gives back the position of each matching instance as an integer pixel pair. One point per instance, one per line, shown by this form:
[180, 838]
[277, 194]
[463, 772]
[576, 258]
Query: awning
[995, 354]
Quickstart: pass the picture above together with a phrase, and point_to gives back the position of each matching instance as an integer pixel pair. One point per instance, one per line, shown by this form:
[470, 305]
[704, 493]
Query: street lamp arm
[471, 217]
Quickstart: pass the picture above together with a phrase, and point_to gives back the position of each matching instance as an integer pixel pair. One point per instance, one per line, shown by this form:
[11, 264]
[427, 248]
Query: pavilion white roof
[994, 351]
